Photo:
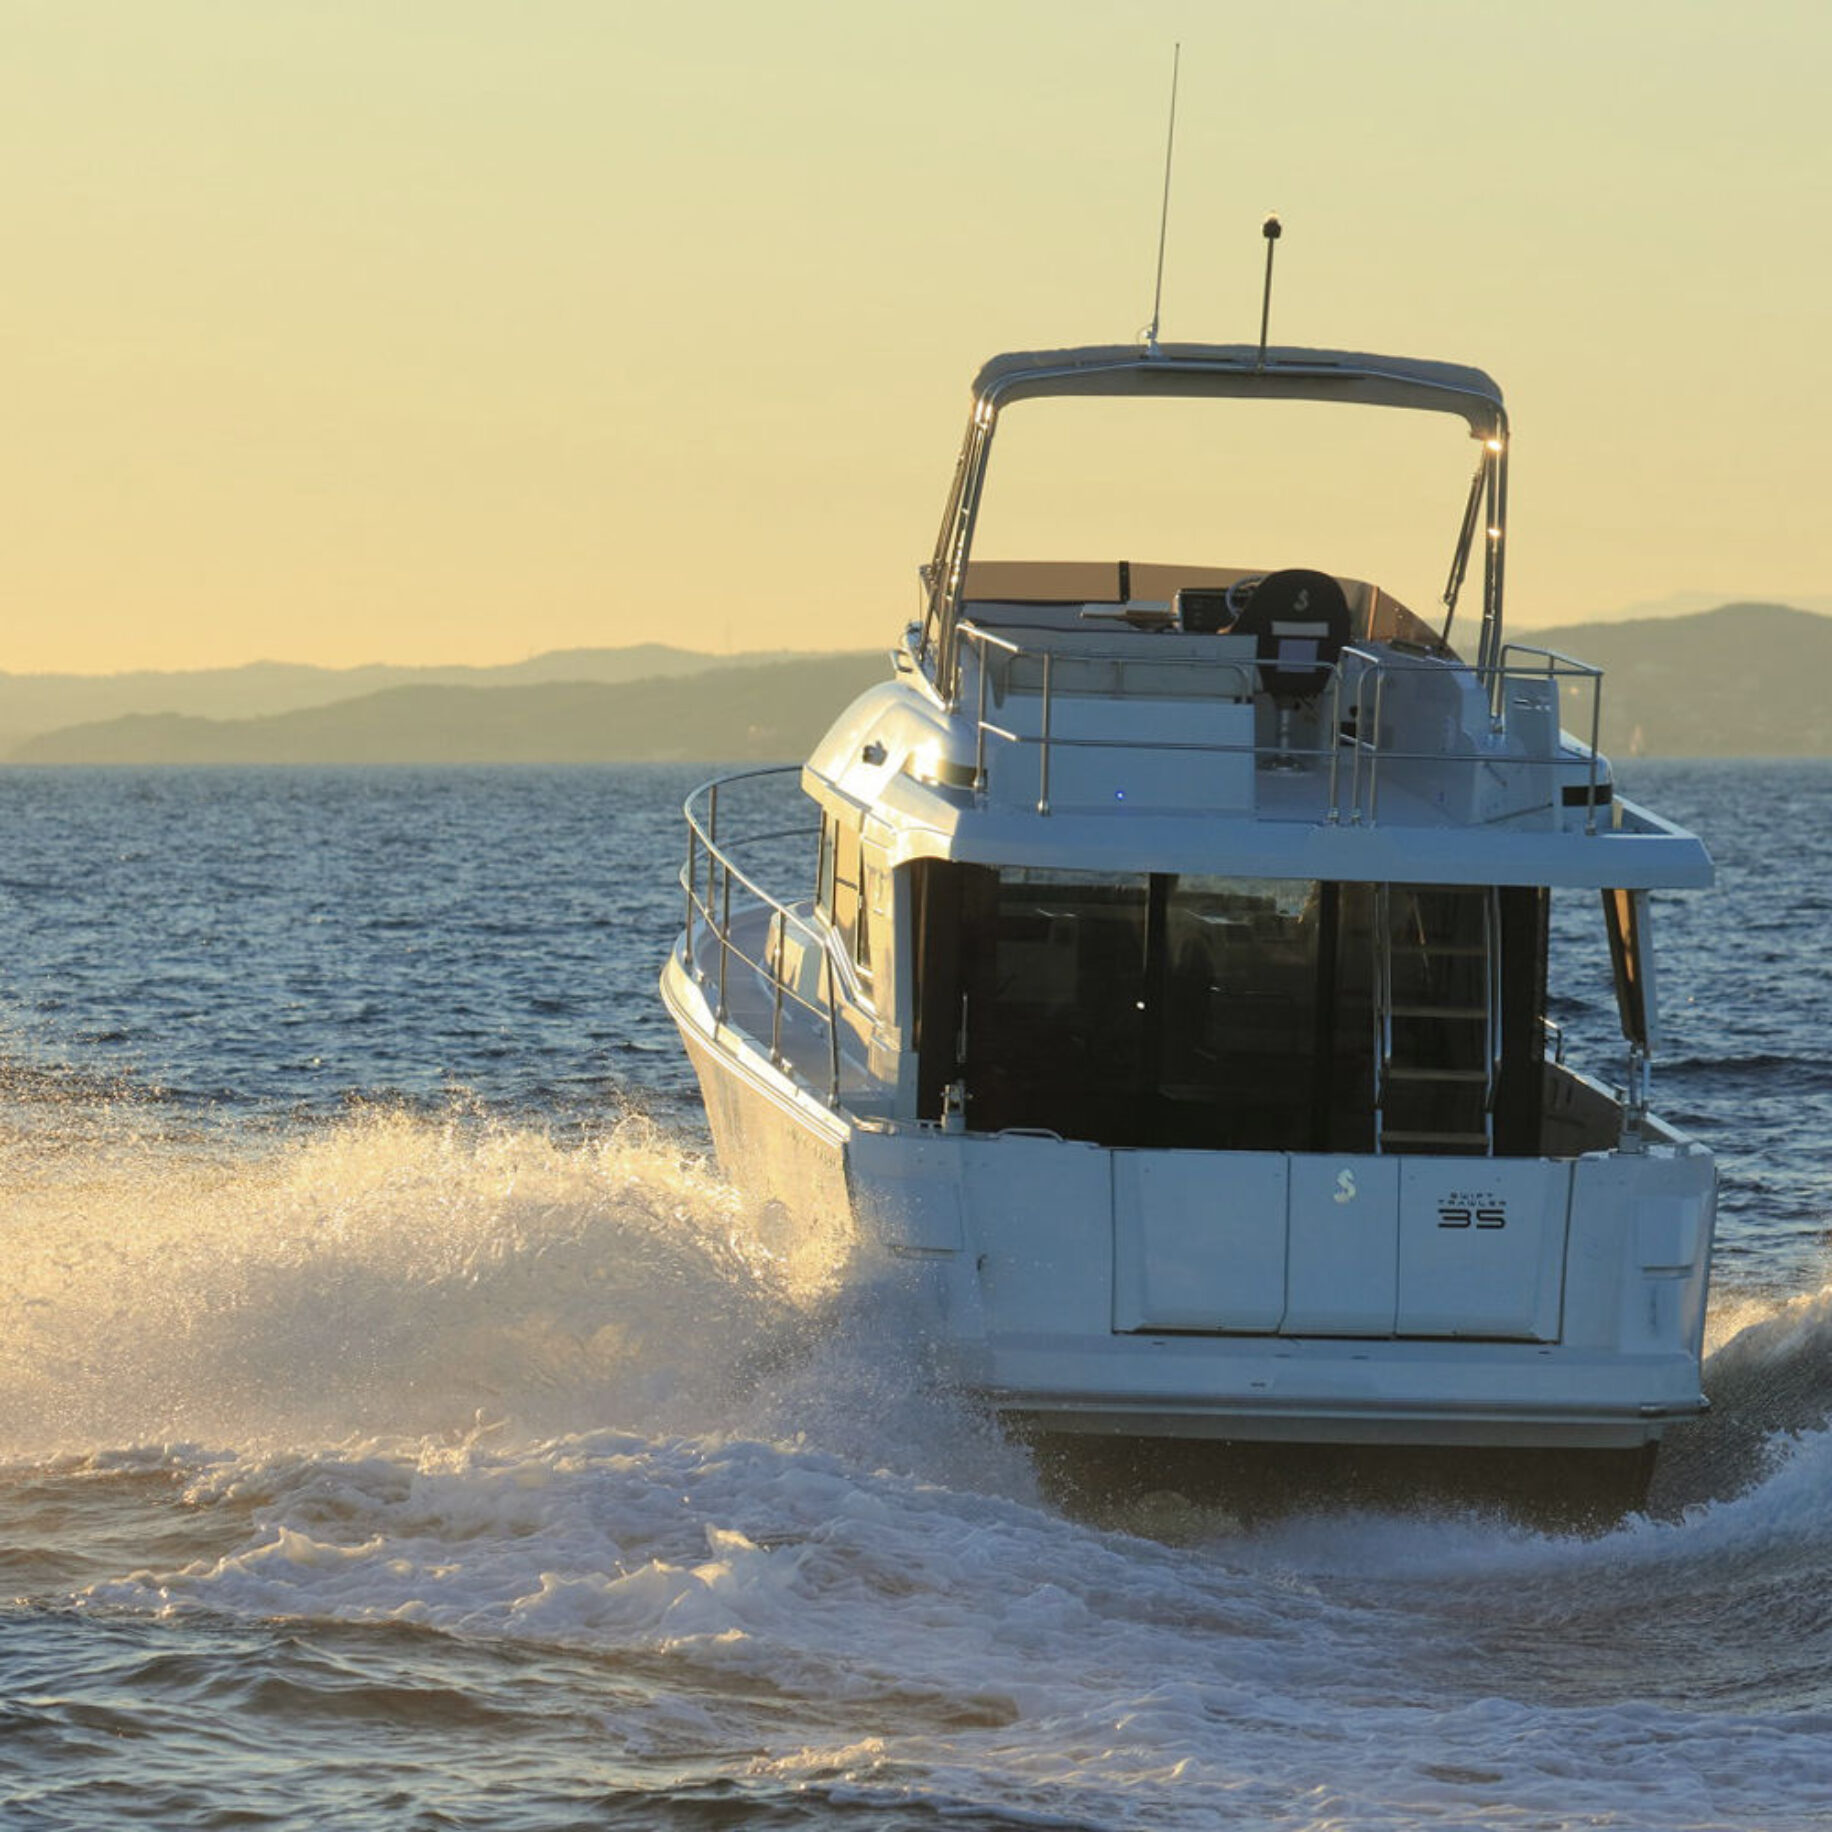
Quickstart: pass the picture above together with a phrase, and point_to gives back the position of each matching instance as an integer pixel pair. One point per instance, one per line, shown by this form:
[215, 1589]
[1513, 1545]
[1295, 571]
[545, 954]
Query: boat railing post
[781, 926]
[1334, 813]
[1596, 733]
[979, 723]
[725, 930]
[1043, 768]
[1360, 708]
[706, 906]
[687, 884]
[1555, 689]
[1368, 705]
[1380, 690]
[1364, 736]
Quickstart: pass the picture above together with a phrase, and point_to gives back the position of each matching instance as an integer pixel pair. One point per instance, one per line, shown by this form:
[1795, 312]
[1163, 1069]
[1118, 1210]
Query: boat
[1155, 985]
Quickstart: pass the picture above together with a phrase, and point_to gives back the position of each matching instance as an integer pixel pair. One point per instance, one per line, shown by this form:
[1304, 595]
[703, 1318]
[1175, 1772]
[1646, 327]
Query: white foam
[693, 1463]
[389, 1274]
[977, 1647]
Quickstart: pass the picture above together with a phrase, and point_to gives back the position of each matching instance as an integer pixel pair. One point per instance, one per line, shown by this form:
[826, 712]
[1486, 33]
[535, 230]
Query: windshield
[1362, 493]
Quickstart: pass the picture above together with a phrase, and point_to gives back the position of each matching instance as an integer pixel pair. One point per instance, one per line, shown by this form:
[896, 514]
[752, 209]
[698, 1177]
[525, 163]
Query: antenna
[1271, 230]
[1170, 143]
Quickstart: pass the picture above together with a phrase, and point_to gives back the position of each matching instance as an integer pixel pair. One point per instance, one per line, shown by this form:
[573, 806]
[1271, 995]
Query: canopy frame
[1221, 371]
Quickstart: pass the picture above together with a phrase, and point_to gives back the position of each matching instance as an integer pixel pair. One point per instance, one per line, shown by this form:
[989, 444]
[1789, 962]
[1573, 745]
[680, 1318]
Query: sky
[444, 331]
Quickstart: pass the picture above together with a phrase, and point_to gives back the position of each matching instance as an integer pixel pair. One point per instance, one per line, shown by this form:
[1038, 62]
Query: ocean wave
[388, 1272]
[568, 1409]
[976, 1645]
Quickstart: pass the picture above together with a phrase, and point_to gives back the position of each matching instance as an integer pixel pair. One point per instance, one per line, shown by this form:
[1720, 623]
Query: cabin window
[874, 914]
[1242, 1001]
[1147, 1010]
[860, 942]
[842, 891]
[846, 891]
[823, 869]
[1053, 999]
[1222, 1013]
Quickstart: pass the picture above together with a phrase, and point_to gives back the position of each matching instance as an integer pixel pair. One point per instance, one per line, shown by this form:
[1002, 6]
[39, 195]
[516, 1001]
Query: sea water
[401, 1424]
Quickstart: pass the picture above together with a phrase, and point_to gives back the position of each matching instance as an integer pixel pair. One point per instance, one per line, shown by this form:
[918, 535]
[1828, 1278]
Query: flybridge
[1225, 371]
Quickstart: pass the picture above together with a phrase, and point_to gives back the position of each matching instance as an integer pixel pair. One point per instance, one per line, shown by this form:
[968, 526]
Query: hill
[34, 703]
[1744, 680]
[770, 711]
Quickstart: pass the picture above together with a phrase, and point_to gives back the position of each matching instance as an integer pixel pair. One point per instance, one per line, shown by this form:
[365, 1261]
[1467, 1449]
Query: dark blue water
[402, 1426]
[287, 940]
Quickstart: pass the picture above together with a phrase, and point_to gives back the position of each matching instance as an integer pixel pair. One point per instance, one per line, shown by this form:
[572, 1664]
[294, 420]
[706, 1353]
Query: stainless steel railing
[1564, 672]
[719, 892]
[1359, 684]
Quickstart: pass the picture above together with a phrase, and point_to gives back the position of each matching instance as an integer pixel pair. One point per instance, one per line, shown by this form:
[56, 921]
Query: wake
[399, 1276]
[387, 1274]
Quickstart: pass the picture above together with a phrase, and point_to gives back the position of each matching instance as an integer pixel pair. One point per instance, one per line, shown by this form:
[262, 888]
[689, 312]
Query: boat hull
[1254, 1297]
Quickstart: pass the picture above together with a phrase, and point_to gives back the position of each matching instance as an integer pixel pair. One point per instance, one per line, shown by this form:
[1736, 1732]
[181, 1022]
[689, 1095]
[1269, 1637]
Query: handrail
[982, 640]
[711, 906]
[1359, 677]
[1558, 666]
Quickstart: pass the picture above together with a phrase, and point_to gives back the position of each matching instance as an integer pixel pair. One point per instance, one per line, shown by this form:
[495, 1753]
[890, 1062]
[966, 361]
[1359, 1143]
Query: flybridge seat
[1300, 621]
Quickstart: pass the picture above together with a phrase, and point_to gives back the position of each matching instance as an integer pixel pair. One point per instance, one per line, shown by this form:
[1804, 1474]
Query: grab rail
[1358, 684]
[1560, 668]
[710, 908]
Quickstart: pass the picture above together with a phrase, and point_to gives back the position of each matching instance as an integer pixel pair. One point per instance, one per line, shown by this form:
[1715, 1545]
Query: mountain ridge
[762, 711]
[34, 703]
[1740, 679]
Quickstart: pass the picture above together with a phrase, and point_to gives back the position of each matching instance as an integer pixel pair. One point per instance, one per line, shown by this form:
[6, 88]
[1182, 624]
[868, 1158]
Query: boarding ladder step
[1437, 1017]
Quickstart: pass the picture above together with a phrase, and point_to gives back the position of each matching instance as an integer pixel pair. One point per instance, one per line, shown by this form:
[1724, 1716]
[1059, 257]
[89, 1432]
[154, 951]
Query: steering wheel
[1241, 590]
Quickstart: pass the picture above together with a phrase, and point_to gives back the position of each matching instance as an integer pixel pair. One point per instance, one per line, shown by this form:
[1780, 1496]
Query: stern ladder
[1437, 1012]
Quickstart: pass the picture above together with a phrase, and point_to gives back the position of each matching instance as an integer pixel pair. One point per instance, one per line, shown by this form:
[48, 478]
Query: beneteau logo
[1345, 1186]
[1472, 1209]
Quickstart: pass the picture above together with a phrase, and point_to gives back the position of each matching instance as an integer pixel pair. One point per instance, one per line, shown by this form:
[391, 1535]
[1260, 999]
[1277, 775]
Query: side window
[841, 891]
[823, 871]
[850, 916]
[875, 910]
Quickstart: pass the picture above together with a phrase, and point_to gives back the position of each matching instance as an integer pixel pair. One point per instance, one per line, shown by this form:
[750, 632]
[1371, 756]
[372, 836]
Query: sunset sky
[385, 330]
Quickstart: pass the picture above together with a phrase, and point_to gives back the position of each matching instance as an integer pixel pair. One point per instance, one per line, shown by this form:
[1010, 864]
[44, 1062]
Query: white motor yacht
[1161, 986]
